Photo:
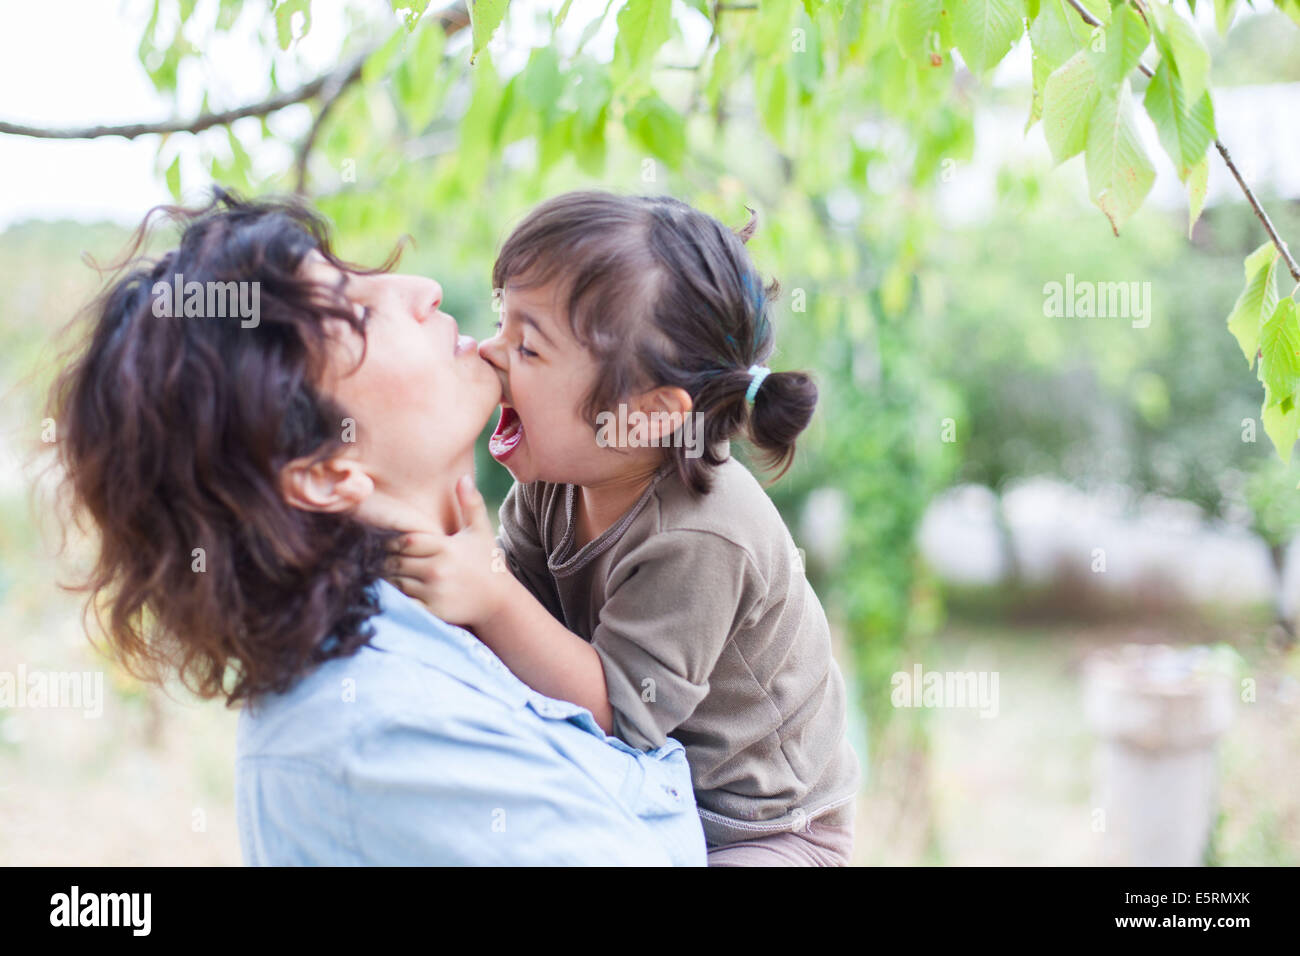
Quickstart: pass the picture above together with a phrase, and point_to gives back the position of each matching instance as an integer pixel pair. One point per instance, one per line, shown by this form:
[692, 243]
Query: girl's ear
[665, 409]
[331, 485]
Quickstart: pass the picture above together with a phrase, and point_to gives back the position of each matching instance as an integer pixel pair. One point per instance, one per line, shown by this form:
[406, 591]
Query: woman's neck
[429, 506]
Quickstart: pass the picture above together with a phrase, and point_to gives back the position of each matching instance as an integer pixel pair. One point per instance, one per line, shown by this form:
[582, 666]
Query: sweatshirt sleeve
[520, 541]
[672, 604]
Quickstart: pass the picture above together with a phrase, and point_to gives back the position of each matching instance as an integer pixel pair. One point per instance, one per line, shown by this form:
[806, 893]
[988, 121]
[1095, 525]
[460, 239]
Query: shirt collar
[405, 626]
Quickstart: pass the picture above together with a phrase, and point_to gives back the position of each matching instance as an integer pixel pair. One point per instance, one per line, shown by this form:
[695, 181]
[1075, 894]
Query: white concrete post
[1158, 712]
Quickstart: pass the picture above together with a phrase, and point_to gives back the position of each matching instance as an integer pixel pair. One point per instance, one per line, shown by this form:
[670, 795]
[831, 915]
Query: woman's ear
[330, 485]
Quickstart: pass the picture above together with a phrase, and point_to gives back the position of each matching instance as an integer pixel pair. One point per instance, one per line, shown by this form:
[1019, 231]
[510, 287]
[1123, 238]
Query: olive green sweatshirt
[709, 632]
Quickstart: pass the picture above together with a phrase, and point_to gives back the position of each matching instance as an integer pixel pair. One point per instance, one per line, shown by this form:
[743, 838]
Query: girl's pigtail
[783, 407]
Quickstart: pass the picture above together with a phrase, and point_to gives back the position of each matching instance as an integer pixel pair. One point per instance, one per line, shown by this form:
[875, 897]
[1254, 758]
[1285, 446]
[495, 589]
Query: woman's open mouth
[509, 432]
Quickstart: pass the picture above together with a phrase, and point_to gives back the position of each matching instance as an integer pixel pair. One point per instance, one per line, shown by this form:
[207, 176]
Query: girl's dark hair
[172, 434]
[664, 295]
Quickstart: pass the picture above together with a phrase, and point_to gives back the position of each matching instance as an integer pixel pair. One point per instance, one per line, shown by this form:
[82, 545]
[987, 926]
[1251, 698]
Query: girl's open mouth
[509, 432]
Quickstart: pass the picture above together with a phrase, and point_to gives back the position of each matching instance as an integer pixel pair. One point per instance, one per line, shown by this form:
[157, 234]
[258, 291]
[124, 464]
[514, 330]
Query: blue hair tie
[757, 373]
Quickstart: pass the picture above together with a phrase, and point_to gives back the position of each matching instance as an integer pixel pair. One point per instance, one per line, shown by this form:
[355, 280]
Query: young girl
[653, 581]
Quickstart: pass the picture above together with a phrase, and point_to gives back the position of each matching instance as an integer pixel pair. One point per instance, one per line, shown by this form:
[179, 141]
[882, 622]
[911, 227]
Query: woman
[228, 465]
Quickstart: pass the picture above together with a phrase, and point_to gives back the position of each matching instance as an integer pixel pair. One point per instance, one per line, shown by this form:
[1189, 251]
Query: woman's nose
[425, 295]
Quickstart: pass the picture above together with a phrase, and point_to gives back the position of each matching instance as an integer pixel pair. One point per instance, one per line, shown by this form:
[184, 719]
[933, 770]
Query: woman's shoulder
[414, 667]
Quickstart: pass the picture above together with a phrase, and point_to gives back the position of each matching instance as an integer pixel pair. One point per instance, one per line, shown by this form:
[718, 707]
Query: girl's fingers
[418, 544]
[473, 510]
[380, 511]
[409, 567]
[411, 587]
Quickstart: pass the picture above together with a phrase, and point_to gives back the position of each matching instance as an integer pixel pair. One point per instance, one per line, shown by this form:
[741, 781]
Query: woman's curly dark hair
[172, 434]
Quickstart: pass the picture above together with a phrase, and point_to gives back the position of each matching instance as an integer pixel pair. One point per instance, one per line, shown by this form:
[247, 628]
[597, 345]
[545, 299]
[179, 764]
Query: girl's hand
[463, 577]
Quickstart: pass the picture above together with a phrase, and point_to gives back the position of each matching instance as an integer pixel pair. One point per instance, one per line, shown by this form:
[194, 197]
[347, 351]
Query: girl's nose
[493, 350]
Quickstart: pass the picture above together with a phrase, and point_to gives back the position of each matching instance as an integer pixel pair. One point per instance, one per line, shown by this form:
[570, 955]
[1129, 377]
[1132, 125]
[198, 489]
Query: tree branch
[329, 97]
[204, 121]
[1260, 214]
[453, 19]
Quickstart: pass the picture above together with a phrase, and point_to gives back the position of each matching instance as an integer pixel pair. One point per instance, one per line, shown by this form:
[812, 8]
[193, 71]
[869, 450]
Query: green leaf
[914, 23]
[772, 36]
[506, 112]
[1121, 49]
[984, 30]
[420, 81]
[1184, 133]
[378, 63]
[1178, 41]
[772, 91]
[541, 79]
[589, 144]
[413, 10]
[592, 28]
[554, 142]
[659, 128]
[643, 27]
[1224, 11]
[1198, 181]
[284, 12]
[1257, 300]
[1119, 172]
[1279, 351]
[484, 18]
[227, 14]
[1056, 34]
[173, 177]
[1280, 424]
[806, 64]
[1069, 98]
[243, 163]
[591, 91]
[562, 15]
[476, 129]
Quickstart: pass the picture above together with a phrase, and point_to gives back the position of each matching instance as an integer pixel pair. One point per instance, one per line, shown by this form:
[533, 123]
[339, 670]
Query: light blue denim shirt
[422, 748]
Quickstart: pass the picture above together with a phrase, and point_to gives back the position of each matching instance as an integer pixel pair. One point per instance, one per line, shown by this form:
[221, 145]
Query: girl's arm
[546, 655]
[463, 579]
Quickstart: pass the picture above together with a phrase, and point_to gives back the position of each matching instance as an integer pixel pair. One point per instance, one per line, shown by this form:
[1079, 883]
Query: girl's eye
[526, 353]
